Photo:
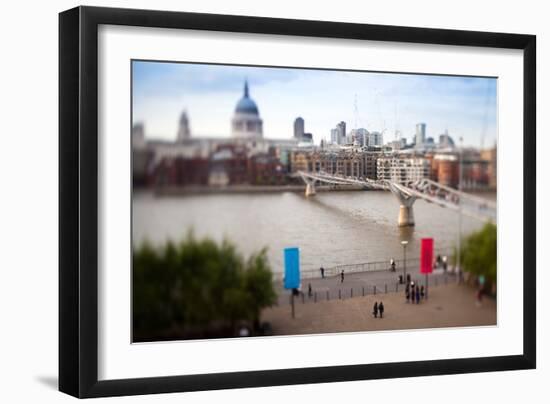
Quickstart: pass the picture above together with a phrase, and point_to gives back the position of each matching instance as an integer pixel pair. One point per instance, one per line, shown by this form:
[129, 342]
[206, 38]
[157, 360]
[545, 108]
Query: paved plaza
[449, 305]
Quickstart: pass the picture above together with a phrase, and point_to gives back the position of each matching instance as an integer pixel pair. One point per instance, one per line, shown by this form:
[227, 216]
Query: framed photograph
[251, 201]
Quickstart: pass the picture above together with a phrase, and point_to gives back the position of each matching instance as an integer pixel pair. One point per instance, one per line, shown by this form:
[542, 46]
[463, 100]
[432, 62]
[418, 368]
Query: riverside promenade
[449, 305]
[359, 284]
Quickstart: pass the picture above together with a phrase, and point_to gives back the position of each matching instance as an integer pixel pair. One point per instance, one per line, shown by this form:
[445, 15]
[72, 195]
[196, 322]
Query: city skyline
[465, 106]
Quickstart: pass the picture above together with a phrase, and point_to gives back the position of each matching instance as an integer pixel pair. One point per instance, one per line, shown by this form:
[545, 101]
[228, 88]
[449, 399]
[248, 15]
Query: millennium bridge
[407, 192]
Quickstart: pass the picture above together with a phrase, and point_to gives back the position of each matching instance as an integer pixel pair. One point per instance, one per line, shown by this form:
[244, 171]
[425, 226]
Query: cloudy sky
[465, 106]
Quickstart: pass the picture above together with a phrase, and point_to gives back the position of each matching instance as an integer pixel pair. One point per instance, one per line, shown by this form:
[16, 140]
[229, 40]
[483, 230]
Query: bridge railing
[425, 188]
[360, 289]
[413, 264]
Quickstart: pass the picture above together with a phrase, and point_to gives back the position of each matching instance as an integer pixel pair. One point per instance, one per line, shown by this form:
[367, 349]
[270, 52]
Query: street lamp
[404, 244]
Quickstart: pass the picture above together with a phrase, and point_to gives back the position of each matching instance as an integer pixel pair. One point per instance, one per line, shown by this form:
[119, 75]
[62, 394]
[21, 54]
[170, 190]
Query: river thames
[331, 228]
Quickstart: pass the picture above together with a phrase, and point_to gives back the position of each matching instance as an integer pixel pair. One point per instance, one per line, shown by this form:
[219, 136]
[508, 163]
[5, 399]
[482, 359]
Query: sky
[389, 102]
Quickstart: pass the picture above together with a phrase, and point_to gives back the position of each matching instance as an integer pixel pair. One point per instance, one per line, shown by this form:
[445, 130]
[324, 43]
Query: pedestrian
[381, 309]
[375, 310]
[408, 278]
[322, 272]
[444, 259]
[417, 292]
[342, 276]
[392, 265]
[309, 291]
[479, 296]
[422, 292]
[407, 292]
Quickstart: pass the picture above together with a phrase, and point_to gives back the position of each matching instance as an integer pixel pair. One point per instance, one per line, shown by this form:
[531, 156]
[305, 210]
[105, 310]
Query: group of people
[378, 309]
[414, 293]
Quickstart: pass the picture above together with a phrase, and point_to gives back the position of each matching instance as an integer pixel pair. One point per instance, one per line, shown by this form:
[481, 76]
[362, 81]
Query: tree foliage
[197, 285]
[478, 253]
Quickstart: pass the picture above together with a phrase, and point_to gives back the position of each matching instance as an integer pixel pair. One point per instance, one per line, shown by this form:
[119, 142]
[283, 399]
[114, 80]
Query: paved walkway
[359, 284]
[449, 305]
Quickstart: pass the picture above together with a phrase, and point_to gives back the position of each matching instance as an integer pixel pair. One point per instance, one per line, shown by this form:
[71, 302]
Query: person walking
[322, 272]
[309, 291]
[375, 310]
[417, 292]
[407, 292]
[342, 276]
[381, 309]
[422, 292]
[479, 297]
[392, 265]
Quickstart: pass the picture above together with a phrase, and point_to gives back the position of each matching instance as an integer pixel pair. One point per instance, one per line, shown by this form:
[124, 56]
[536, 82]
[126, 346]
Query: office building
[420, 136]
[374, 139]
[341, 127]
[299, 128]
[402, 169]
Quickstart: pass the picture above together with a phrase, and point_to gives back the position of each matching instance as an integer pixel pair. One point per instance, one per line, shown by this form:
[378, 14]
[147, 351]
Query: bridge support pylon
[406, 216]
[406, 201]
[310, 184]
[310, 188]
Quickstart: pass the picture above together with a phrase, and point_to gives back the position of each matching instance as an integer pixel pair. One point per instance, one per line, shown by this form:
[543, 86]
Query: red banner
[426, 255]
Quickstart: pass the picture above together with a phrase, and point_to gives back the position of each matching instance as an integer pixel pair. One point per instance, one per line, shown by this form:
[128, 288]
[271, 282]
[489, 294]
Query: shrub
[478, 254]
[197, 286]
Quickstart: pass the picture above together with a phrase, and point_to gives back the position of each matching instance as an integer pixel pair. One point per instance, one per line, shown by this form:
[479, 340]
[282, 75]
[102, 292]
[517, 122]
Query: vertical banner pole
[426, 286]
[292, 273]
[426, 259]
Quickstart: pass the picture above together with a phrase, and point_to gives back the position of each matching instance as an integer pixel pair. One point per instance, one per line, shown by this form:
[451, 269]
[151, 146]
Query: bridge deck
[425, 189]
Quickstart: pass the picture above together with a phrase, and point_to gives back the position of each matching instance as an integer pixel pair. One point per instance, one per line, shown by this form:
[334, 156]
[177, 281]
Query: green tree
[478, 254]
[196, 286]
[150, 288]
[259, 285]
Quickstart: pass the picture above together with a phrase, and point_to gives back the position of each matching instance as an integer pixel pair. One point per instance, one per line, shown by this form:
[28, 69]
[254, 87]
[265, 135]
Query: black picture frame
[78, 201]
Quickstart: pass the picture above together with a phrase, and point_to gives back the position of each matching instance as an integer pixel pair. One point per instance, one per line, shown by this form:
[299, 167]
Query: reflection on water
[331, 228]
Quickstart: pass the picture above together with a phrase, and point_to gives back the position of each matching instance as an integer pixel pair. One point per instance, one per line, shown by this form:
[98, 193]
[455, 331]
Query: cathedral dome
[246, 105]
[246, 122]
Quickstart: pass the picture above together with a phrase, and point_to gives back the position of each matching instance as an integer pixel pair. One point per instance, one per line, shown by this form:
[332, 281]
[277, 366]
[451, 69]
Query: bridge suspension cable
[426, 189]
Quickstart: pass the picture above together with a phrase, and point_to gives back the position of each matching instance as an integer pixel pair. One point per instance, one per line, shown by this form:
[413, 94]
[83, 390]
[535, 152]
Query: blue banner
[292, 268]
